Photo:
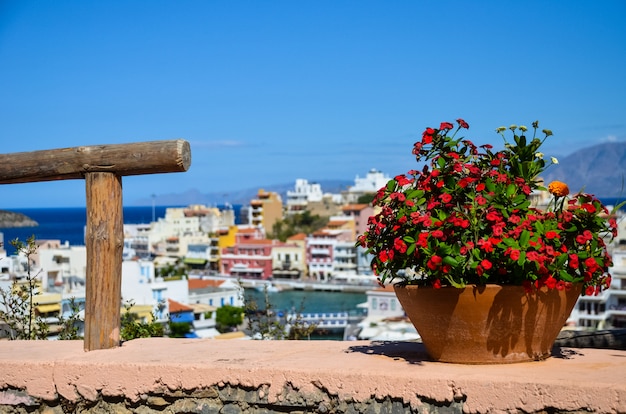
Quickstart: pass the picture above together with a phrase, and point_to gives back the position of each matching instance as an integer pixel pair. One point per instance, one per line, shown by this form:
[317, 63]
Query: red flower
[434, 262]
[383, 256]
[422, 240]
[399, 245]
[486, 264]
[437, 234]
[462, 123]
[589, 207]
[446, 125]
[552, 235]
[485, 245]
[591, 264]
[397, 196]
[402, 180]
[427, 136]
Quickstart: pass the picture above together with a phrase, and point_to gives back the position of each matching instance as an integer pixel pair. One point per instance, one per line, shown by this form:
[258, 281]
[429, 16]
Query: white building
[171, 235]
[303, 194]
[608, 309]
[371, 183]
[64, 267]
[215, 292]
[385, 318]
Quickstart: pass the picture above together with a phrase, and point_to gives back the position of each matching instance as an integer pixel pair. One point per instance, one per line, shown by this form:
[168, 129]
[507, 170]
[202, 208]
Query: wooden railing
[102, 168]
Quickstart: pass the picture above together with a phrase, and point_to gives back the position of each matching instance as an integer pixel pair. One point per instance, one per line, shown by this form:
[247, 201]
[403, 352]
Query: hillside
[599, 170]
[240, 196]
[9, 219]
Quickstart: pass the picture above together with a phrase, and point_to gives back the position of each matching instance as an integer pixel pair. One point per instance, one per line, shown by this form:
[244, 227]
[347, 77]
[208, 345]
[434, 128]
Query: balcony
[209, 375]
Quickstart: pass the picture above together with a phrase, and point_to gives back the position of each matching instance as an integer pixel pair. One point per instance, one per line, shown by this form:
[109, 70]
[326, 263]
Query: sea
[68, 224]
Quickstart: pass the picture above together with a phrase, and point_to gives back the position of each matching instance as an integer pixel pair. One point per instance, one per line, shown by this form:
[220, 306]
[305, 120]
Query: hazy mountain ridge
[599, 170]
[242, 196]
[11, 219]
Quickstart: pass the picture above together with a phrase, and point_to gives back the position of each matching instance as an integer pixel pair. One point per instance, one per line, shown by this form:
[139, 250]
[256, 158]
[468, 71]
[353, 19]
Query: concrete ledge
[179, 375]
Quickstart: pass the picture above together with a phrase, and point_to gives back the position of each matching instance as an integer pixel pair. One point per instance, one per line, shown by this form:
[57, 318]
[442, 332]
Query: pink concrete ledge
[573, 380]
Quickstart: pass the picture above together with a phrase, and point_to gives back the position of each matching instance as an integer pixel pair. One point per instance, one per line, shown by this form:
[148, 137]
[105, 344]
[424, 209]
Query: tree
[304, 222]
[228, 317]
[178, 329]
[133, 328]
[366, 198]
[18, 304]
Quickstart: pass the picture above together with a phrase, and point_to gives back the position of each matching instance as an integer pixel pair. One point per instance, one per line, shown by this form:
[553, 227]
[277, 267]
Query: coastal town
[196, 259]
[186, 265]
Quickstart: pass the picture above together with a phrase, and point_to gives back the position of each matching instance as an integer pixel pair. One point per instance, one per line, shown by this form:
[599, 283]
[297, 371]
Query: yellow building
[265, 210]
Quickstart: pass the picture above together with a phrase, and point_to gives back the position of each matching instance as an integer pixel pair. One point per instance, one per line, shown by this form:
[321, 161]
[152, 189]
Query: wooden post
[104, 242]
[102, 167]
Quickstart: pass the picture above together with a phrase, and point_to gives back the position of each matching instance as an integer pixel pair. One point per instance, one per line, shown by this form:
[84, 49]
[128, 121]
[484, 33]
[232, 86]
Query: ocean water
[68, 224]
[307, 301]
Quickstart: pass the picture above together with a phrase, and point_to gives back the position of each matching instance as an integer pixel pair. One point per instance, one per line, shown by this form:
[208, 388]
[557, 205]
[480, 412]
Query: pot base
[490, 324]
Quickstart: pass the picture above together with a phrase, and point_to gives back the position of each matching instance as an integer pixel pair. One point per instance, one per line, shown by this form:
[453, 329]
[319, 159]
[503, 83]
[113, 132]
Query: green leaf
[509, 242]
[510, 190]
[449, 260]
[444, 249]
[410, 249]
[413, 194]
[524, 238]
[565, 276]
[490, 186]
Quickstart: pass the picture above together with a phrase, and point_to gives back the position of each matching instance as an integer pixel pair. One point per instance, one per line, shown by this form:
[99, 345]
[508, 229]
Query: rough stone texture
[148, 376]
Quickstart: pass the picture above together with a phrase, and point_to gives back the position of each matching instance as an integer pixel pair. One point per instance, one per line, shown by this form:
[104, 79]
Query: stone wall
[271, 377]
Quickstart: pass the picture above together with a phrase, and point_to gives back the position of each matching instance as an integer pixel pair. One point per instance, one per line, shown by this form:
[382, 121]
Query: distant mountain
[10, 219]
[241, 196]
[598, 170]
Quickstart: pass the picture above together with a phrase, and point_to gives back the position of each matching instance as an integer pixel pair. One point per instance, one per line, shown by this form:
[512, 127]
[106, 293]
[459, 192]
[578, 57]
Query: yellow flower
[558, 189]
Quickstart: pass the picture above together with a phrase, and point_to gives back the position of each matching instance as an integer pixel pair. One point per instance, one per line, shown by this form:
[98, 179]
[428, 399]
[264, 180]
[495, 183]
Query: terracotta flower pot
[490, 324]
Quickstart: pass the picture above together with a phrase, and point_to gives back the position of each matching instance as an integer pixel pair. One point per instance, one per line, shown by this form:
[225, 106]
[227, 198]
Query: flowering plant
[467, 218]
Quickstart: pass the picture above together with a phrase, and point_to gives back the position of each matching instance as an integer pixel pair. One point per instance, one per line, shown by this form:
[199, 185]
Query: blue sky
[270, 91]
